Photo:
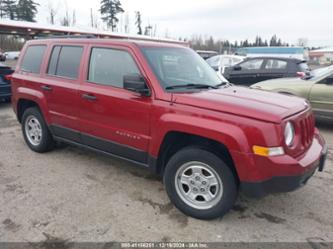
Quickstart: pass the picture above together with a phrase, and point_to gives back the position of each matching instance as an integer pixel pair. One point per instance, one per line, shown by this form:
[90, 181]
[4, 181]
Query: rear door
[321, 97]
[246, 73]
[113, 119]
[60, 86]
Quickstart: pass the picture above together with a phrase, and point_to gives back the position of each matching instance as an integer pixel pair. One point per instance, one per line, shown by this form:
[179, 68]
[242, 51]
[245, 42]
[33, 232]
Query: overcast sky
[223, 19]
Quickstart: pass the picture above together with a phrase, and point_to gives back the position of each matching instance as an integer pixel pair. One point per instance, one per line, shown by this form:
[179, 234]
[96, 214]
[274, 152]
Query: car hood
[243, 101]
[281, 81]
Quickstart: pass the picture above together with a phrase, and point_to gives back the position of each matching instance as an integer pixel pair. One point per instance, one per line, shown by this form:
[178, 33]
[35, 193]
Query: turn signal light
[267, 151]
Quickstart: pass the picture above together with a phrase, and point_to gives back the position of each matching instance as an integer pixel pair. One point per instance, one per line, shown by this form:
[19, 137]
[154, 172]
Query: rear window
[33, 58]
[303, 67]
[65, 61]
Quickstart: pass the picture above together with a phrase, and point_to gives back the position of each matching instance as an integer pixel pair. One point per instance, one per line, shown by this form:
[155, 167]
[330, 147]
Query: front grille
[306, 126]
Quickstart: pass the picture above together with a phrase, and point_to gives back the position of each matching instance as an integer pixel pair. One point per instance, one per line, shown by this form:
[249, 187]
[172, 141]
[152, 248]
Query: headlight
[289, 134]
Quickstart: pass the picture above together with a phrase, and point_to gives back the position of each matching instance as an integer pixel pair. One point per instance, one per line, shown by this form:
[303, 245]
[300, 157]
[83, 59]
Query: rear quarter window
[32, 59]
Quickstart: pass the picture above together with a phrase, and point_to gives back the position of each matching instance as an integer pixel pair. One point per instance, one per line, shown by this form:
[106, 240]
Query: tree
[66, 20]
[138, 22]
[109, 10]
[52, 13]
[9, 9]
[2, 9]
[26, 10]
[126, 24]
[148, 30]
[74, 18]
[302, 42]
[273, 42]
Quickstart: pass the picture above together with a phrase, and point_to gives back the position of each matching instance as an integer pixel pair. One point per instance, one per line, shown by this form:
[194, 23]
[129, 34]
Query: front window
[180, 68]
[108, 66]
[254, 64]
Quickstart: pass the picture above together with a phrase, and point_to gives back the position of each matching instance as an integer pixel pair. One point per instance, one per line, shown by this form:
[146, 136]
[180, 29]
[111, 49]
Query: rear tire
[36, 132]
[200, 184]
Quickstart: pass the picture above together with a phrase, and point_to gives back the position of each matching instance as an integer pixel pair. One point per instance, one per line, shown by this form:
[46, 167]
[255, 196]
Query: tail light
[300, 74]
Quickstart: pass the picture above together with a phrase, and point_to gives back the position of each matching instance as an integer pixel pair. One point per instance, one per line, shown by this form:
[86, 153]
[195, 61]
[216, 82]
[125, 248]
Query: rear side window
[108, 66]
[276, 64]
[65, 61]
[33, 58]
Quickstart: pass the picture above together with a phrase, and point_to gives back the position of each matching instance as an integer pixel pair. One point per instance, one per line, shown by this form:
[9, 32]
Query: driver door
[321, 97]
[113, 119]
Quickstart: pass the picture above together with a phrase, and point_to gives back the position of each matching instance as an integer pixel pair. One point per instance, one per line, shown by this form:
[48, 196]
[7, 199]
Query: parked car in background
[253, 70]
[161, 106]
[284, 52]
[206, 53]
[12, 55]
[2, 55]
[5, 79]
[316, 87]
[220, 62]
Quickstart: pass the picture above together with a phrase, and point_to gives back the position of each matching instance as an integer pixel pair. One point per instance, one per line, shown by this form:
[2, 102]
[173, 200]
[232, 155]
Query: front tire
[35, 131]
[200, 184]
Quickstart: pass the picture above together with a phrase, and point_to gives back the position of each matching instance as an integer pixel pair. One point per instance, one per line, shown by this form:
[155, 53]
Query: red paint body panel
[236, 117]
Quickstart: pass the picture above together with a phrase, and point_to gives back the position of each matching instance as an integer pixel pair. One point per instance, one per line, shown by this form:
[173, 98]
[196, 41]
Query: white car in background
[220, 62]
[12, 55]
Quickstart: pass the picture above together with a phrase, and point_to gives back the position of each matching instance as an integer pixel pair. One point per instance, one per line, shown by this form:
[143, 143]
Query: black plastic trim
[115, 148]
[67, 133]
[105, 147]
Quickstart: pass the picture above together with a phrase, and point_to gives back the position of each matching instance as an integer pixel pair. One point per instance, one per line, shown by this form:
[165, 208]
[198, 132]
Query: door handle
[46, 88]
[89, 96]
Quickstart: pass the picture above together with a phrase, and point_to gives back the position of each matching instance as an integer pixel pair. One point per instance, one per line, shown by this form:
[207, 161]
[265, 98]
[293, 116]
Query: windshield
[319, 73]
[180, 67]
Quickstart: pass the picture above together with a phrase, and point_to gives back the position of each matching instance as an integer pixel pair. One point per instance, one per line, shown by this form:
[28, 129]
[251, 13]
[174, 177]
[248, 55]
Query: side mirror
[237, 68]
[136, 83]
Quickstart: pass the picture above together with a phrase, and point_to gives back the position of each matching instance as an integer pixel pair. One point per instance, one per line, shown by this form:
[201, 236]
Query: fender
[232, 136]
[36, 96]
[292, 92]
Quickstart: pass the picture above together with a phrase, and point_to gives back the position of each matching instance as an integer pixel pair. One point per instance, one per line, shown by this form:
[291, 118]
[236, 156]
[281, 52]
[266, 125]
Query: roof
[36, 29]
[276, 58]
[113, 41]
[323, 50]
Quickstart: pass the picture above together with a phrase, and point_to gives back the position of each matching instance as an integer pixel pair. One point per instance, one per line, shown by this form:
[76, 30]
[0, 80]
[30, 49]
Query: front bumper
[314, 159]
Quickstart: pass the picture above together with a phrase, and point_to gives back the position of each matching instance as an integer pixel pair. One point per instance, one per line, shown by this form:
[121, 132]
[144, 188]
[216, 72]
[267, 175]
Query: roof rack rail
[65, 37]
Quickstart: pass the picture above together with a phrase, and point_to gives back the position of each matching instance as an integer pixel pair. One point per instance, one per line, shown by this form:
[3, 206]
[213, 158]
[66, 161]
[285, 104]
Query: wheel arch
[176, 140]
[26, 98]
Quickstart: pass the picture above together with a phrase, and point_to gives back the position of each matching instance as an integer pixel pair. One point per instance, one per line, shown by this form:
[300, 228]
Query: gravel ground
[75, 195]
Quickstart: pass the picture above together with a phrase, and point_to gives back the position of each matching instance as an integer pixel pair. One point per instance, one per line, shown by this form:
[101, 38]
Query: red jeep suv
[161, 106]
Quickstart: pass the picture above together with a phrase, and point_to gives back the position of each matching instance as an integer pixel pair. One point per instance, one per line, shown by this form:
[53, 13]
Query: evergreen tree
[26, 10]
[2, 9]
[109, 10]
[138, 22]
[9, 9]
[273, 42]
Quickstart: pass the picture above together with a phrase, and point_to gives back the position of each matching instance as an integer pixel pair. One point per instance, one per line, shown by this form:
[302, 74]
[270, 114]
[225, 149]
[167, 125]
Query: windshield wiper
[224, 83]
[196, 86]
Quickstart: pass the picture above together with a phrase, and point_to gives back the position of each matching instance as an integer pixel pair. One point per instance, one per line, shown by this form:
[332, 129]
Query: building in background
[322, 56]
[285, 52]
